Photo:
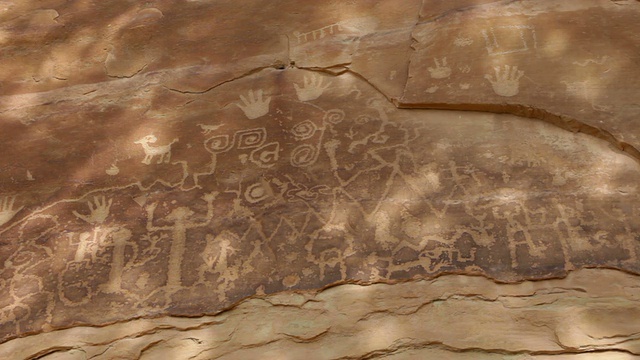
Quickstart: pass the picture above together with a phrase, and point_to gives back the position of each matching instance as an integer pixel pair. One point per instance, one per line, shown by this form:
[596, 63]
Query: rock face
[163, 161]
[588, 312]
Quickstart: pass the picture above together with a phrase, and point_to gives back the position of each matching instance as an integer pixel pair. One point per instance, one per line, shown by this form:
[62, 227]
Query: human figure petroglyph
[218, 250]
[163, 152]
[518, 233]
[507, 80]
[7, 212]
[181, 219]
[330, 248]
[254, 105]
[441, 255]
[119, 238]
[441, 71]
[312, 88]
[317, 33]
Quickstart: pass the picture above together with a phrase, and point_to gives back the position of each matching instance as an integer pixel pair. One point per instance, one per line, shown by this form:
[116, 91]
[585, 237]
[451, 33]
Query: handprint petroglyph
[311, 89]
[507, 80]
[7, 212]
[150, 151]
[441, 71]
[98, 212]
[254, 106]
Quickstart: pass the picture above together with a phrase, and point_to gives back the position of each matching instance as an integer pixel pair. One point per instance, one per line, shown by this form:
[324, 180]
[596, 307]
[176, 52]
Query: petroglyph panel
[293, 179]
[524, 58]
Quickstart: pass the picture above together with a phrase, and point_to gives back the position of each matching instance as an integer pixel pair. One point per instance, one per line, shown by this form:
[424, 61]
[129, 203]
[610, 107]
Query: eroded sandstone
[163, 161]
[591, 314]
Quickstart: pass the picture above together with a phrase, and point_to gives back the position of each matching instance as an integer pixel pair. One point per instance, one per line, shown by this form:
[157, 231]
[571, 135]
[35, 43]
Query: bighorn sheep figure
[151, 151]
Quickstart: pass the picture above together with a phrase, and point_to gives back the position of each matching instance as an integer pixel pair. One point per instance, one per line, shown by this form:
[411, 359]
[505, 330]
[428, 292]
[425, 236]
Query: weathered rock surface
[164, 159]
[567, 62]
[591, 314]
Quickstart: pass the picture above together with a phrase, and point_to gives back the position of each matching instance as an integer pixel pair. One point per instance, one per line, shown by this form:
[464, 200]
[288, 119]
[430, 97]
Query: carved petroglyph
[207, 129]
[441, 70]
[307, 154]
[216, 253]
[586, 62]
[254, 105]
[250, 139]
[181, 217]
[304, 130]
[312, 196]
[98, 211]
[317, 33]
[507, 80]
[219, 144]
[163, 152]
[509, 39]
[304, 155]
[7, 212]
[245, 139]
[113, 170]
[119, 238]
[266, 156]
[518, 232]
[462, 41]
[312, 88]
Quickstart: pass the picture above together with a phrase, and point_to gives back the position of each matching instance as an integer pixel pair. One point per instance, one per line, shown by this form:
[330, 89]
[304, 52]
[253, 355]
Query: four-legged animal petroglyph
[163, 152]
